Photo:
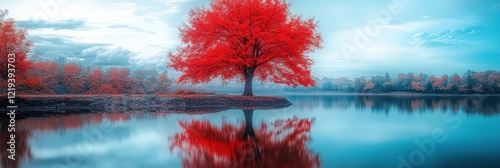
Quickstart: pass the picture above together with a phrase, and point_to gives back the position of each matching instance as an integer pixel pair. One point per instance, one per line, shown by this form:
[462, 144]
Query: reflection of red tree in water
[279, 144]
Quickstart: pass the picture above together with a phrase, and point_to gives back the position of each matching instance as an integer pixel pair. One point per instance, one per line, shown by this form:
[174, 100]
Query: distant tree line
[35, 76]
[487, 82]
[47, 77]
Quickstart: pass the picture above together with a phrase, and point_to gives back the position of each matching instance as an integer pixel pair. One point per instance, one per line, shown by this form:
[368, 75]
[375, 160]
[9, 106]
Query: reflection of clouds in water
[129, 138]
[350, 126]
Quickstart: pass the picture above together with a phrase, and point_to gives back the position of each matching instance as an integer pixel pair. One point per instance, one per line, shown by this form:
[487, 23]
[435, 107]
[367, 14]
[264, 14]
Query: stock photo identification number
[11, 96]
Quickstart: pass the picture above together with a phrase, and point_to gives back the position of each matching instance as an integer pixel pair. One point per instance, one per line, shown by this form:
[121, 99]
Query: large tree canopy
[13, 41]
[242, 39]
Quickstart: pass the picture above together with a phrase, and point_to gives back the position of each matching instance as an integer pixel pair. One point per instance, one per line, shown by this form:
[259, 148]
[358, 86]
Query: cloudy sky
[360, 37]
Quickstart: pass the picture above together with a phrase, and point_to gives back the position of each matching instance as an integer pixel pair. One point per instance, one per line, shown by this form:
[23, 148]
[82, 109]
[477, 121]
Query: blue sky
[434, 37]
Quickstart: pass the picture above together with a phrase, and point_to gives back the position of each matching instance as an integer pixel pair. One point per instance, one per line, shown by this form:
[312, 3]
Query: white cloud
[157, 61]
[145, 28]
[92, 52]
[173, 6]
[446, 38]
[109, 56]
[425, 17]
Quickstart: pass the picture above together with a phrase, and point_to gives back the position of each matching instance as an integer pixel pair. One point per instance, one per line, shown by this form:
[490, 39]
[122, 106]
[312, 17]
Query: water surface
[344, 131]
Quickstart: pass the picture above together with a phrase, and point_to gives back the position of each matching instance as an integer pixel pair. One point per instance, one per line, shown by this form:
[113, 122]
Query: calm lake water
[324, 130]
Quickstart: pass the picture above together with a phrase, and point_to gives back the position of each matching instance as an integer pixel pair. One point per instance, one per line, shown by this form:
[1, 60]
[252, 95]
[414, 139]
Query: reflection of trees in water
[21, 145]
[485, 105]
[282, 143]
[26, 127]
[76, 121]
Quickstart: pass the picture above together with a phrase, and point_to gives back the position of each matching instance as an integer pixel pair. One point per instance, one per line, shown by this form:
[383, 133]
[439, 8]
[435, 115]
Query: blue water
[348, 131]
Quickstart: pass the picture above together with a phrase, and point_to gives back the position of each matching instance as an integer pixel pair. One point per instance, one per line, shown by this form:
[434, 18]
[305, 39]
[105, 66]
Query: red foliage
[13, 40]
[480, 78]
[454, 84]
[368, 86]
[440, 83]
[107, 89]
[279, 144]
[187, 92]
[456, 78]
[33, 84]
[417, 86]
[72, 78]
[163, 84]
[42, 78]
[119, 79]
[242, 39]
[94, 81]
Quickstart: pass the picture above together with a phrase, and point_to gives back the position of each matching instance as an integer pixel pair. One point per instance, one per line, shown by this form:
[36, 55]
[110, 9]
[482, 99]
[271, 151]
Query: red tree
[454, 83]
[440, 84]
[242, 39]
[94, 81]
[368, 86]
[42, 78]
[417, 86]
[72, 79]
[107, 89]
[480, 79]
[280, 144]
[117, 78]
[122, 83]
[163, 84]
[13, 41]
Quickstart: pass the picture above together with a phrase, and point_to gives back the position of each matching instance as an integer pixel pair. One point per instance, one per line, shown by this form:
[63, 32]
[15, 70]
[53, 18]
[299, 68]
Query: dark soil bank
[34, 105]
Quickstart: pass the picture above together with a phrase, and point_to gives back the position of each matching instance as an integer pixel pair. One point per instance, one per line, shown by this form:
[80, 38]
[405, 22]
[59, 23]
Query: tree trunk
[248, 81]
[250, 133]
[248, 124]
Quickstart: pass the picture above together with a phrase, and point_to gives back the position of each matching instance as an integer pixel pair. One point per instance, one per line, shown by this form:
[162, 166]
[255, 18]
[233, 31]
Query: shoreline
[46, 105]
[368, 94]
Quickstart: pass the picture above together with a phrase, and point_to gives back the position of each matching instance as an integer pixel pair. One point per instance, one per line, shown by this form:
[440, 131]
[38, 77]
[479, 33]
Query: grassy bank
[41, 105]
